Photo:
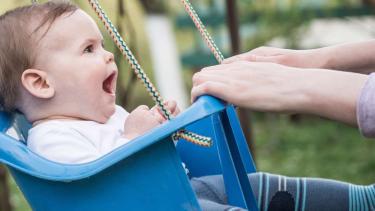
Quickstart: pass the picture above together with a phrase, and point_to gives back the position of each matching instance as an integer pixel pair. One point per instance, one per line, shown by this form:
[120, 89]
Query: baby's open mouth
[109, 83]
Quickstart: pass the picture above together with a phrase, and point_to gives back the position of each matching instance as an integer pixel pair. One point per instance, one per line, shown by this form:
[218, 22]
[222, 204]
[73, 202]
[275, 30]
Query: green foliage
[284, 18]
[16, 198]
[154, 6]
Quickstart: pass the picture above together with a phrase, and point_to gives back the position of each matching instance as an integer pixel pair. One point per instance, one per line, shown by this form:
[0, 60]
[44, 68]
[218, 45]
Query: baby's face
[81, 71]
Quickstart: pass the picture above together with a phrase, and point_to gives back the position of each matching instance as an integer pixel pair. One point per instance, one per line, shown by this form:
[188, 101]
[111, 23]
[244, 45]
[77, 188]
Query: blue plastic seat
[145, 174]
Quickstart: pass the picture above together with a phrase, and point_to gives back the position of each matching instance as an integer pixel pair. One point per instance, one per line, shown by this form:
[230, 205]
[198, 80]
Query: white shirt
[77, 141]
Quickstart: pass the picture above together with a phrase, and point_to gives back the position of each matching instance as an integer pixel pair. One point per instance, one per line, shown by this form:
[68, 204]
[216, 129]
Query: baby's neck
[56, 117]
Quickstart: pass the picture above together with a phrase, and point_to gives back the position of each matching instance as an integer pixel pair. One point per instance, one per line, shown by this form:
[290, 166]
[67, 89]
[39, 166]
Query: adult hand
[314, 58]
[258, 86]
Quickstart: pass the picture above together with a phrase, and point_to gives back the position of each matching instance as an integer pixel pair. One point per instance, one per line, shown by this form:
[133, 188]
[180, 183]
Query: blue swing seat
[144, 174]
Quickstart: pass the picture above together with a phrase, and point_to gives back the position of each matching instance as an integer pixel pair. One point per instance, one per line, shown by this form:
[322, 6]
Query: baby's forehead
[70, 29]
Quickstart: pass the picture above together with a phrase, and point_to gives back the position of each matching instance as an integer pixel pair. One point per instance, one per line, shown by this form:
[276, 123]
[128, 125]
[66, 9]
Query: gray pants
[276, 192]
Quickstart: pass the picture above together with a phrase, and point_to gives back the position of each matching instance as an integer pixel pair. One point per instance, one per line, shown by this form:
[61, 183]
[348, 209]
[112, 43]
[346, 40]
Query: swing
[146, 173]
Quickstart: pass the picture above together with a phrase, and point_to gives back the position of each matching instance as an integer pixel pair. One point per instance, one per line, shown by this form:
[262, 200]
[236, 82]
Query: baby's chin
[106, 115]
[100, 116]
[101, 120]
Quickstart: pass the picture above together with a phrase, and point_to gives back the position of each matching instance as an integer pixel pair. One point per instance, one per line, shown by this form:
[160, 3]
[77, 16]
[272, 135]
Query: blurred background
[170, 50]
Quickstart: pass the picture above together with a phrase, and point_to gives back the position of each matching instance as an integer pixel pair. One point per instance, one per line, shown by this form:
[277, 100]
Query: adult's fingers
[260, 54]
[228, 69]
[235, 71]
[213, 68]
[267, 51]
[231, 59]
[222, 67]
[214, 88]
[200, 78]
[241, 57]
[273, 59]
[250, 55]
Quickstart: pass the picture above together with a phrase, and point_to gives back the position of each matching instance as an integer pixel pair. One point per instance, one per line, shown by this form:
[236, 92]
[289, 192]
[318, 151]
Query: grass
[314, 147]
[17, 200]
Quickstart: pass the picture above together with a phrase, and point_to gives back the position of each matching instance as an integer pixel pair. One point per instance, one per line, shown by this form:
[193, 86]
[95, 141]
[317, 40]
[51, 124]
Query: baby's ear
[36, 83]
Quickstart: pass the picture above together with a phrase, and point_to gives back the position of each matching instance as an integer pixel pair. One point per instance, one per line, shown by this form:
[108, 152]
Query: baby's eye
[89, 49]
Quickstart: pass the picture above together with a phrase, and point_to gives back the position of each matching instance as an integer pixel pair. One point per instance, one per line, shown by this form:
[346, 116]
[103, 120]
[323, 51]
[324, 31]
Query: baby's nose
[109, 57]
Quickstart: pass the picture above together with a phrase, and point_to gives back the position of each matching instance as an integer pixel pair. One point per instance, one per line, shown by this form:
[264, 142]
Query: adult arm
[352, 57]
[277, 88]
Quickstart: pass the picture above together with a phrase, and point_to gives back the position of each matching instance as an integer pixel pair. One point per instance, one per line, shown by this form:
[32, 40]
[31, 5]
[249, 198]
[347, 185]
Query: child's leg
[300, 193]
[211, 193]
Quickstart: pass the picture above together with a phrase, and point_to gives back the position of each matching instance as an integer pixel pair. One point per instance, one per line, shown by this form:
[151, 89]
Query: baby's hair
[18, 42]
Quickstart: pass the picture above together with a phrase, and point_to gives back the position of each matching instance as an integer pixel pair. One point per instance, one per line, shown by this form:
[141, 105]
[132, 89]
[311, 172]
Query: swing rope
[189, 136]
[202, 30]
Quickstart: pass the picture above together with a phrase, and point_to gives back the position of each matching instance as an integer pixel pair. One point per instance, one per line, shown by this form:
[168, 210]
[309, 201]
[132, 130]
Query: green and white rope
[189, 136]
[202, 30]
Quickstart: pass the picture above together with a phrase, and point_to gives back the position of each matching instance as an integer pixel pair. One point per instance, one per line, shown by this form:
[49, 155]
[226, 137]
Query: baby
[55, 70]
